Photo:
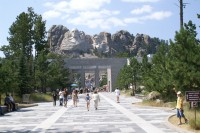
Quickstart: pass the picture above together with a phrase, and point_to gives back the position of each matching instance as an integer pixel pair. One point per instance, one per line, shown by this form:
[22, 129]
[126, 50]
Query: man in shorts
[179, 108]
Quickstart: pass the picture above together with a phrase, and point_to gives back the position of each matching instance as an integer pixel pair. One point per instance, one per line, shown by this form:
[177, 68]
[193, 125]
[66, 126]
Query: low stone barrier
[4, 109]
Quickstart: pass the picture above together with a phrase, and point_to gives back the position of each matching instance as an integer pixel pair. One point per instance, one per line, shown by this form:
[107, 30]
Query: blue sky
[156, 18]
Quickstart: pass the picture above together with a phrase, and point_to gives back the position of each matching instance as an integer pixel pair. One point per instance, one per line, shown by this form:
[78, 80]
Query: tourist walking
[65, 97]
[179, 107]
[88, 98]
[75, 97]
[96, 99]
[61, 97]
[117, 93]
[54, 96]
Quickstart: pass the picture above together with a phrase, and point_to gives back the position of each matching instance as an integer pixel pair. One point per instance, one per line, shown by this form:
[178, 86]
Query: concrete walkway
[111, 117]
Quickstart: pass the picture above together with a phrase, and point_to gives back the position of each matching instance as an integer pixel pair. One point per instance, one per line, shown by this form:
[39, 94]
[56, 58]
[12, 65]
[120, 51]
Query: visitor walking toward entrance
[179, 108]
[54, 96]
[96, 99]
[61, 97]
[117, 92]
[75, 97]
[65, 97]
[88, 98]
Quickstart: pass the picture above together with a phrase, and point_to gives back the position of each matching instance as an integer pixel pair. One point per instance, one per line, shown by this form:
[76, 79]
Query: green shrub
[126, 92]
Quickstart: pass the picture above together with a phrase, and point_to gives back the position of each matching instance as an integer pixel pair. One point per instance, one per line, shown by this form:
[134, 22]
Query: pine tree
[135, 73]
[28, 30]
[185, 59]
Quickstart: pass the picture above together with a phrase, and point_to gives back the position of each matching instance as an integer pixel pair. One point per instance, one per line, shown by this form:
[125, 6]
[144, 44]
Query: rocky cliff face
[102, 42]
[55, 36]
[76, 40]
[64, 41]
[122, 41]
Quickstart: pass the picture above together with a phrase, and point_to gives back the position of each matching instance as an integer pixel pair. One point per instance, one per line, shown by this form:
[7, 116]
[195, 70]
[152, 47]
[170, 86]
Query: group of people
[63, 97]
[95, 97]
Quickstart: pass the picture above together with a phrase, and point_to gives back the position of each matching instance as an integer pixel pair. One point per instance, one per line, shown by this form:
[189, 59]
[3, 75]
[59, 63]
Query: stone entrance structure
[111, 65]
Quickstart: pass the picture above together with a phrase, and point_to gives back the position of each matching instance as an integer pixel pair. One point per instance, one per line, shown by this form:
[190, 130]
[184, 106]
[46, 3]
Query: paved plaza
[111, 117]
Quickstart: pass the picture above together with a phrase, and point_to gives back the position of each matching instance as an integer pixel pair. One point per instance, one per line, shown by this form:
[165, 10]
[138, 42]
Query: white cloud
[113, 21]
[153, 16]
[87, 4]
[96, 23]
[103, 19]
[97, 14]
[87, 12]
[157, 15]
[93, 14]
[48, 4]
[63, 6]
[143, 9]
[77, 5]
[132, 20]
[139, 1]
[51, 14]
[73, 6]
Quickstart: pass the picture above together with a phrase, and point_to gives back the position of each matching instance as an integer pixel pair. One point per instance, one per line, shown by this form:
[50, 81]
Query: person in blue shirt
[88, 98]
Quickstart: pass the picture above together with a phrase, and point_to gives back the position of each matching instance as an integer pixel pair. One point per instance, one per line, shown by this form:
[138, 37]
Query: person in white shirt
[117, 92]
[96, 99]
[61, 96]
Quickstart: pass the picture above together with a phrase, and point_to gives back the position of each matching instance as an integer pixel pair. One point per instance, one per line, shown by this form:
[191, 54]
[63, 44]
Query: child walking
[88, 98]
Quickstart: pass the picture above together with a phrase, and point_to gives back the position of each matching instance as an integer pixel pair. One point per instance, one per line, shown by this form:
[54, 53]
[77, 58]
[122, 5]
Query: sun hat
[179, 92]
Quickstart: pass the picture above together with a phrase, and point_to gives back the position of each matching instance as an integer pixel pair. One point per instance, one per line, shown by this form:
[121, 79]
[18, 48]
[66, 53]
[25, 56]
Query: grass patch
[191, 126]
[191, 117]
[34, 97]
[157, 104]
[40, 97]
[151, 103]
[174, 120]
[189, 113]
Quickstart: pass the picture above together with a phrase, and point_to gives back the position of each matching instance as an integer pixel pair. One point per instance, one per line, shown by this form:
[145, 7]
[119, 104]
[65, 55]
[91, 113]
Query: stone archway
[111, 65]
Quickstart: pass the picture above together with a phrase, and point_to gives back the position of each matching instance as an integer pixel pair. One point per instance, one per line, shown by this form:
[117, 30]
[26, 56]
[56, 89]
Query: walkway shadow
[5, 115]
[56, 131]
[26, 110]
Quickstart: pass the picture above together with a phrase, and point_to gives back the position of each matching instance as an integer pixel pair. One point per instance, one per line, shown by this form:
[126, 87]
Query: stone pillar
[109, 80]
[82, 78]
[97, 77]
